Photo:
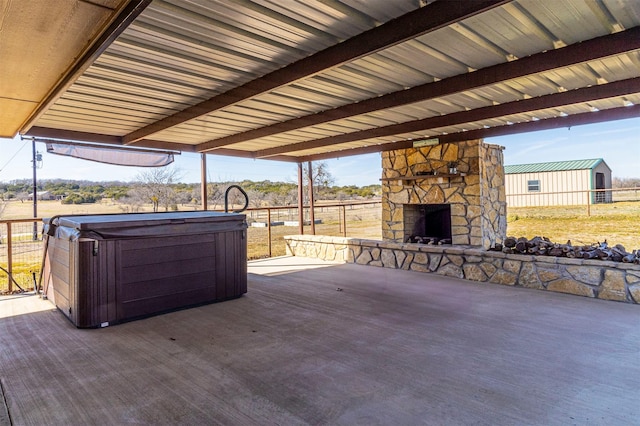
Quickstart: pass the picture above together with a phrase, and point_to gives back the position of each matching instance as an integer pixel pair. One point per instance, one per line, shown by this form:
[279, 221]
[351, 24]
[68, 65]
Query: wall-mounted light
[426, 142]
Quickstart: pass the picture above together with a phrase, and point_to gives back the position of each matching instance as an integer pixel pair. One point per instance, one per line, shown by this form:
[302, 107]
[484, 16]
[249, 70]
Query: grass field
[616, 222]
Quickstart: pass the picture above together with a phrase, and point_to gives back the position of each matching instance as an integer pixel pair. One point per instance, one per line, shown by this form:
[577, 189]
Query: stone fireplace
[452, 193]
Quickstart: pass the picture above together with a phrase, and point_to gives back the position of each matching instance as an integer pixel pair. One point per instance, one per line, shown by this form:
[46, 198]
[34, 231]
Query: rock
[547, 274]
[586, 274]
[418, 267]
[528, 277]
[364, 258]
[635, 293]
[434, 262]
[388, 259]
[567, 285]
[512, 266]
[503, 277]
[451, 270]
[400, 257]
[474, 272]
[421, 258]
[613, 286]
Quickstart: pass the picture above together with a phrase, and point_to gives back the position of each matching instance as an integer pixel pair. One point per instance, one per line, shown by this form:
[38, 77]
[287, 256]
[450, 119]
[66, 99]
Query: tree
[155, 186]
[321, 178]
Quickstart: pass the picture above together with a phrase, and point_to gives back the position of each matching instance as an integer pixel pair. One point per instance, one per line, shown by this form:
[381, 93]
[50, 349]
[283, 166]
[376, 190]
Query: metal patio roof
[305, 80]
[554, 166]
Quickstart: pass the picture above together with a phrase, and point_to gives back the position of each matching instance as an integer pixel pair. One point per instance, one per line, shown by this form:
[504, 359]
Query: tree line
[161, 188]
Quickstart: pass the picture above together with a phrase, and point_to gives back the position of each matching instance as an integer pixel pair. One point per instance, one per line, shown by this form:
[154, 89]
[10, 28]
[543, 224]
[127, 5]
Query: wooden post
[9, 257]
[312, 215]
[269, 228]
[588, 203]
[344, 221]
[203, 181]
[35, 190]
[300, 202]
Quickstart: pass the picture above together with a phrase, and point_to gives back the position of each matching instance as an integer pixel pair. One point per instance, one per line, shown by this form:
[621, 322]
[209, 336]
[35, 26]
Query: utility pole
[35, 189]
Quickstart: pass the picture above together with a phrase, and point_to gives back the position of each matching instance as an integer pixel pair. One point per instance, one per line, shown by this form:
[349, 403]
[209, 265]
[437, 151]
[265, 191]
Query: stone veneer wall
[477, 199]
[590, 278]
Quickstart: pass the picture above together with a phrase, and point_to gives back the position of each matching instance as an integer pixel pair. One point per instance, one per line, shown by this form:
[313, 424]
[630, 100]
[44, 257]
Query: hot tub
[105, 269]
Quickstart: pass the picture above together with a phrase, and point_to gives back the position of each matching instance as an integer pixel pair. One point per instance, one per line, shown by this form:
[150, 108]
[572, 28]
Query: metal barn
[574, 182]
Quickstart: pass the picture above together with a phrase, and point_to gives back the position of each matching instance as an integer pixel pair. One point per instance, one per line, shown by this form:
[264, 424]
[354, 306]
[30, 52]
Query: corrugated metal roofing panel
[554, 166]
[179, 53]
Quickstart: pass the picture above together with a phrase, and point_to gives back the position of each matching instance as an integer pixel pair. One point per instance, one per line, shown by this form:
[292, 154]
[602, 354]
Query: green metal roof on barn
[554, 166]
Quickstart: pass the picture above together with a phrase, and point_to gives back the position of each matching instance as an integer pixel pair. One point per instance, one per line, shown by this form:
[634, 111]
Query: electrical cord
[14, 156]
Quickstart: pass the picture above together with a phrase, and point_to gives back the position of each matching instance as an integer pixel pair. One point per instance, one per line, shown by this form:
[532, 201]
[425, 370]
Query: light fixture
[426, 142]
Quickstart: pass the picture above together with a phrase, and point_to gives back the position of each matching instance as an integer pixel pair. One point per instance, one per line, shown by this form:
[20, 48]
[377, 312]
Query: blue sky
[618, 142]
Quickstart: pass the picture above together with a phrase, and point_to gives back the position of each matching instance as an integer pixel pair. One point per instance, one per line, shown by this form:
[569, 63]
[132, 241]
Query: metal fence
[588, 200]
[21, 245]
[268, 225]
[20, 254]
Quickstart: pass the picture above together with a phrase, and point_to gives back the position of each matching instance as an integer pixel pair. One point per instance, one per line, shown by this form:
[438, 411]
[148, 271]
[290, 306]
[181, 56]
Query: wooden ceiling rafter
[421, 21]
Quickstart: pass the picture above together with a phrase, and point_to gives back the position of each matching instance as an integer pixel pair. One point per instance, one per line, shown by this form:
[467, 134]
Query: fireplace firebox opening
[428, 223]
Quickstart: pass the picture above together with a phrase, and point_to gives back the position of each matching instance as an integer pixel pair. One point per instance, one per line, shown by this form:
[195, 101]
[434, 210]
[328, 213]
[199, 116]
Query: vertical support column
[312, 215]
[35, 190]
[300, 202]
[269, 228]
[203, 181]
[9, 257]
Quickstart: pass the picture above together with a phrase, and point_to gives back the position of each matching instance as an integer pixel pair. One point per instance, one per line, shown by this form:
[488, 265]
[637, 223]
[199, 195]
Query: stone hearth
[474, 191]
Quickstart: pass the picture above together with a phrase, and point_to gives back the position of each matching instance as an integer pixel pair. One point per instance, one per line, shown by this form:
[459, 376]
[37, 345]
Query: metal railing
[268, 225]
[586, 199]
[20, 253]
[21, 246]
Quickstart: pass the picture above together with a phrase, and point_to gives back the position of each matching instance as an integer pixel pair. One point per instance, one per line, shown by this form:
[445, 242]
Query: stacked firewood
[542, 246]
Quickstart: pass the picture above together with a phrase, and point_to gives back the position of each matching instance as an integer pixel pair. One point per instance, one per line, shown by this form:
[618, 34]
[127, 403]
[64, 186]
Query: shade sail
[121, 157]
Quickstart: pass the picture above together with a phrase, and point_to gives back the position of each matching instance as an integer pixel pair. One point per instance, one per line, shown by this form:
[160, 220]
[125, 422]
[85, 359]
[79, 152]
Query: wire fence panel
[586, 200]
[353, 220]
[20, 254]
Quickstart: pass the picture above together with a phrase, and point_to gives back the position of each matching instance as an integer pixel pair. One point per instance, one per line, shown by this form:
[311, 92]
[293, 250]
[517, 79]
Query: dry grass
[17, 210]
[616, 222]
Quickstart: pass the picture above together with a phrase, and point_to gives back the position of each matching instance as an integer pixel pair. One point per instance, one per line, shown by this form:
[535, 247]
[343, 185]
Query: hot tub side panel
[231, 264]
[58, 273]
[95, 294]
[165, 273]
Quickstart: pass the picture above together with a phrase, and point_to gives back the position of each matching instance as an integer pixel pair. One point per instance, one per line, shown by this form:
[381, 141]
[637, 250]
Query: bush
[80, 199]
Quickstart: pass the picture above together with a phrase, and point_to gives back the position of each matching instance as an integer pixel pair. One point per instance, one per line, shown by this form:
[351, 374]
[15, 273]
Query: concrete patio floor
[318, 343]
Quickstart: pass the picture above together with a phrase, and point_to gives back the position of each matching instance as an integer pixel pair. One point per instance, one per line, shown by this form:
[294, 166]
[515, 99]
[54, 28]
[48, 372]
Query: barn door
[600, 195]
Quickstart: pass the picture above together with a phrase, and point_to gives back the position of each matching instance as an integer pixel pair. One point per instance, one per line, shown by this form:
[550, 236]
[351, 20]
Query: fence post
[344, 221]
[9, 257]
[588, 203]
[269, 228]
